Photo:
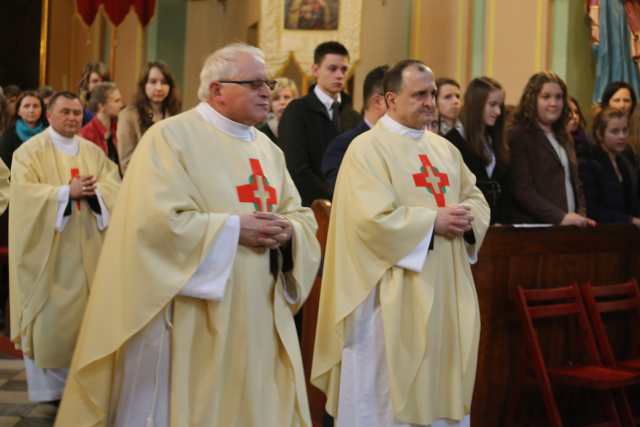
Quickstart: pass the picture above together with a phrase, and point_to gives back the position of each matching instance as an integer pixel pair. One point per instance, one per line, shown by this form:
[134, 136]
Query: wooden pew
[510, 256]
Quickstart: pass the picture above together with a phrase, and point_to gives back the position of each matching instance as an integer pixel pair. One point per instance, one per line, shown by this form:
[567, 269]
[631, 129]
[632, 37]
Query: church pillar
[572, 56]
[166, 37]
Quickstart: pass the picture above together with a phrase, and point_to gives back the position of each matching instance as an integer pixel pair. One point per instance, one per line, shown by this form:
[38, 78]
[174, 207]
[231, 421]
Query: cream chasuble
[5, 174]
[53, 254]
[417, 318]
[234, 356]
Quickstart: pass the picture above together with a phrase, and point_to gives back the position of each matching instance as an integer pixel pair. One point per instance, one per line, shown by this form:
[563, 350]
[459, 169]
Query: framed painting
[311, 14]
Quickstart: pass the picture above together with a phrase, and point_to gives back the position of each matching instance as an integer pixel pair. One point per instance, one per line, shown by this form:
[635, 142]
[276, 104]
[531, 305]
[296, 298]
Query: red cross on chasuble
[258, 191]
[432, 179]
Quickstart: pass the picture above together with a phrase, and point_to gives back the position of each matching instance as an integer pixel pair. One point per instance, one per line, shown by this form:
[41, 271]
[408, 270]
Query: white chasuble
[55, 244]
[397, 340]
[226, 338]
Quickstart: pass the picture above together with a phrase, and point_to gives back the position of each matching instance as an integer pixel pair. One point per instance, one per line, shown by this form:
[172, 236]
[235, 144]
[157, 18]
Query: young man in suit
[309, 123]
[374, 108]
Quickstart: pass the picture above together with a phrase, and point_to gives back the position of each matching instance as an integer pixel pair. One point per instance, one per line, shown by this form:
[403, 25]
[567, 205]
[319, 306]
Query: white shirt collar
[368, 122]
[400, 129]
[225, 125]
[68, 146]
[326, 100]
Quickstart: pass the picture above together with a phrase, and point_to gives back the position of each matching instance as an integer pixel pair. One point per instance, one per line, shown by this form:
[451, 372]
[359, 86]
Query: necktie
[335, 114]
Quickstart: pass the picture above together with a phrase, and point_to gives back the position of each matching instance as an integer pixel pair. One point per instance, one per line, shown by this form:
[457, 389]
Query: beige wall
[441, 36]
[71, 44]
[129, 55]
[384, 39]
[517, 42]
[209, 27]
[516, 39]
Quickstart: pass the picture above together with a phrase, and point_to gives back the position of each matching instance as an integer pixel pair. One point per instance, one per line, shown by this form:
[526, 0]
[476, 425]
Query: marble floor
[15, 408]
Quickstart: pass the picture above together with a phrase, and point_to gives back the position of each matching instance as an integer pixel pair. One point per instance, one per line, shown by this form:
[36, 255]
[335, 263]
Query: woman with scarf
[28, 121]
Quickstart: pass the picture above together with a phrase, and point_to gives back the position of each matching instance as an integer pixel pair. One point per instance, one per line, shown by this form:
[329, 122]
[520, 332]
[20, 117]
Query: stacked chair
[598, 373]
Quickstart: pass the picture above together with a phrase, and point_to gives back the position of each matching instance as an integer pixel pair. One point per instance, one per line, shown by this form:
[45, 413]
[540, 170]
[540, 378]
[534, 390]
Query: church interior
[529, 352]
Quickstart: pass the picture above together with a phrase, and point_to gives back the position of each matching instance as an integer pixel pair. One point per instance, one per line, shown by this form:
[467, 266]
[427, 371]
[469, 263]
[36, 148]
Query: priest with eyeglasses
[210, 254]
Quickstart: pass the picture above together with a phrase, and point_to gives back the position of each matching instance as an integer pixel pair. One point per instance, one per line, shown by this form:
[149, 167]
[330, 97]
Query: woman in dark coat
[480, 141]
[609, 179]
[544, 176]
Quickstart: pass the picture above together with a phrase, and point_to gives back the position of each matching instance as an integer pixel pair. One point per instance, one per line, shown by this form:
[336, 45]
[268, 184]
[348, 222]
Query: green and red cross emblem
[258, 191]
[432, 179]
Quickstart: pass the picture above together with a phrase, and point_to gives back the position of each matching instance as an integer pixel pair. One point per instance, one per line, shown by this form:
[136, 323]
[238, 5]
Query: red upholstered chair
[588, 374]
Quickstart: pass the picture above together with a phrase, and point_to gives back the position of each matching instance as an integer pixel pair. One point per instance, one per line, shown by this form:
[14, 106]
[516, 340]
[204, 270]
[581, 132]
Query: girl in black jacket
[610, 182]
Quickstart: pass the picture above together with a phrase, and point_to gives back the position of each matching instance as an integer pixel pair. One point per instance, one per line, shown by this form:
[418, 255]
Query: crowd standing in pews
[418, 177]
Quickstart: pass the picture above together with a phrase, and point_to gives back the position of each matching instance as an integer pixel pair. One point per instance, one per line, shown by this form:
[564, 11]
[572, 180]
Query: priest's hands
[82, 186]
[264, 230]
[453, 221]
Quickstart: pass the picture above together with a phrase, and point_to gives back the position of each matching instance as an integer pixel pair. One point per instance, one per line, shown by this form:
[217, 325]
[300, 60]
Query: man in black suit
[311, 122]
[374, 108]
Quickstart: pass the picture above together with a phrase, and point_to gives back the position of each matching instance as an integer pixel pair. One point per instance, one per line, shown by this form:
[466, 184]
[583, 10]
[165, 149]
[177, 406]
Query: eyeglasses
[253, 84]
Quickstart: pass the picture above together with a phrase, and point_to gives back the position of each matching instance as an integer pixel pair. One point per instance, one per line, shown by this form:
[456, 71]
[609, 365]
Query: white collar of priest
[400, 129]
[226, 125]
[326, 100]
[68, 146]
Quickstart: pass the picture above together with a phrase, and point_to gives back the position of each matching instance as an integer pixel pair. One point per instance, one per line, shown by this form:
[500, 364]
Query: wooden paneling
[511, 257]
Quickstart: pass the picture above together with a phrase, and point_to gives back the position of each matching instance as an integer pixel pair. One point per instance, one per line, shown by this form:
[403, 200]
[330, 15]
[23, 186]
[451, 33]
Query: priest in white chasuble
[62, 191]
[398, 324]
[208, 257]
[5, 175]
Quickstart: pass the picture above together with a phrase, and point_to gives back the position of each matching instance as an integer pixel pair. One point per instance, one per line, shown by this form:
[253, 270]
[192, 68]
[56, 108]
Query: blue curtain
[613, 53]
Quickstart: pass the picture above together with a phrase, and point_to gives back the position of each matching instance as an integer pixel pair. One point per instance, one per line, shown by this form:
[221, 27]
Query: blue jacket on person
[335, 152]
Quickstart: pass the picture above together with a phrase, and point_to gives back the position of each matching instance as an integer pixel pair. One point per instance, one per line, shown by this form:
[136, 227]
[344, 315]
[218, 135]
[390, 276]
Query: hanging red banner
[145, 10]
[116, 10]
[88, 9]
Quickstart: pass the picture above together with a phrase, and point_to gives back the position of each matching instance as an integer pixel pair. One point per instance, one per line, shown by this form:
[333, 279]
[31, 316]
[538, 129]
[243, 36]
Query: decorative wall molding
[281, 45]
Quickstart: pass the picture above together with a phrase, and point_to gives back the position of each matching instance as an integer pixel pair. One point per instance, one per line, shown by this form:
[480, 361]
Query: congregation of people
[149, 277]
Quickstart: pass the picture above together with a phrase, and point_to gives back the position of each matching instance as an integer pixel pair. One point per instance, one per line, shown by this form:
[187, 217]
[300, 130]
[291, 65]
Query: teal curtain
[613, 53]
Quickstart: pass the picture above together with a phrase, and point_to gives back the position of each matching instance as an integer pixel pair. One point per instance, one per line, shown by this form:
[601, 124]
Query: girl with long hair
[480, 140]
[156, 99]
[544, 175]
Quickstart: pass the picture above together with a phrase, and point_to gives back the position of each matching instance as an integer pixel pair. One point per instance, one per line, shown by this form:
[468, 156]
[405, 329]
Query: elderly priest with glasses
[210, 254]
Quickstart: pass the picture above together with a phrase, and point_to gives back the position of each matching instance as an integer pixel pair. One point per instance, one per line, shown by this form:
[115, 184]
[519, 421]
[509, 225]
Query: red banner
[145, 10]
[88, 9]
[116, 10]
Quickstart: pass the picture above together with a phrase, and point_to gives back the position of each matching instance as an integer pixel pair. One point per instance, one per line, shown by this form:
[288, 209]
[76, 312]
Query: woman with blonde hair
[156, 99]
[284, 92]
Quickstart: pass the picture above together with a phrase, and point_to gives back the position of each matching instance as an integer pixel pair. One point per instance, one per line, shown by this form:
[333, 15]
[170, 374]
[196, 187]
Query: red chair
[589, 374]
[603, 300]
[599, 300]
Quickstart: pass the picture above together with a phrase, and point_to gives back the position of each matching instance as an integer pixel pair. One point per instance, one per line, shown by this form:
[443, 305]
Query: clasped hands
[82, 187]
[264, 230]
[453, 221]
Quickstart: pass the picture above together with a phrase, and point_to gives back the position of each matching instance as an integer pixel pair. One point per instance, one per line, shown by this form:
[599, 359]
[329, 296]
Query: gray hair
[221, 64]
